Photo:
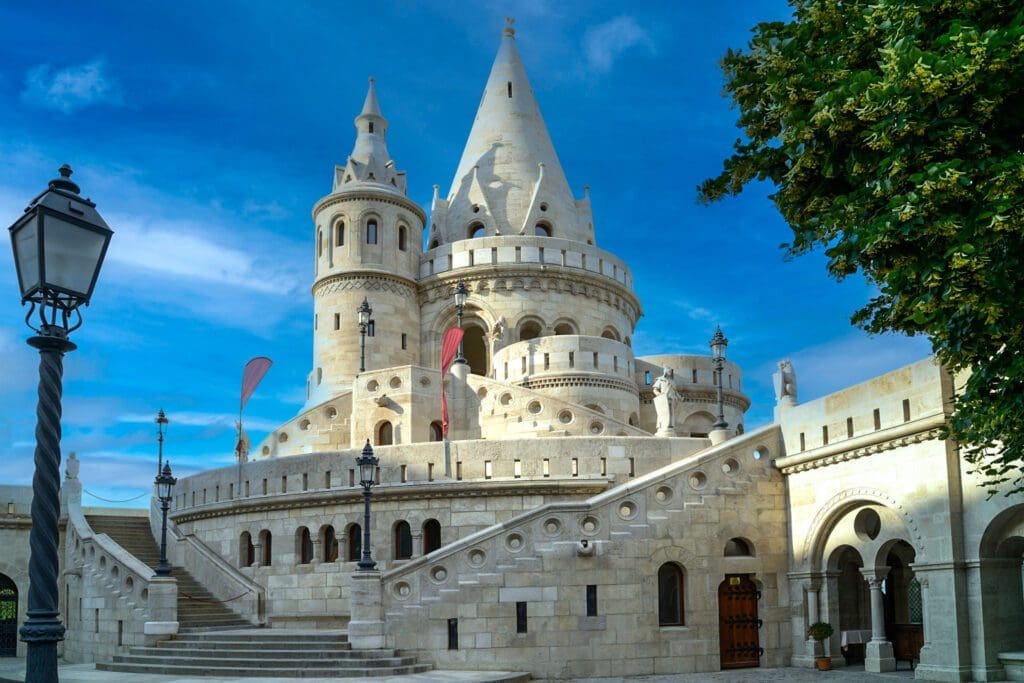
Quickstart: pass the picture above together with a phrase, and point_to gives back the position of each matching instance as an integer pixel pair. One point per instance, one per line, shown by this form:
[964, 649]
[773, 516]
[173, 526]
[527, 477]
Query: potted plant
[820, 631]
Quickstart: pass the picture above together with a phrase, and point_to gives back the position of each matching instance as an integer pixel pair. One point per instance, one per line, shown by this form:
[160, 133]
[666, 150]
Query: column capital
[874, 575]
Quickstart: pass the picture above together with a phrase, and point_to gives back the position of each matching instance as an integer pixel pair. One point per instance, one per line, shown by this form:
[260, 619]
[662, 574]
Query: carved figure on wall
[665, 400]
[498, 335]
[785, 382]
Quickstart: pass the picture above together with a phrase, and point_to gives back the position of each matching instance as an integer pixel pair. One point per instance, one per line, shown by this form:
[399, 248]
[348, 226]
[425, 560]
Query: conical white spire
[370, 161]
[509, 178]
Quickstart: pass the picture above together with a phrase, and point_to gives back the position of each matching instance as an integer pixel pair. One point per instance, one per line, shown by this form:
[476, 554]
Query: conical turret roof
[370, 161]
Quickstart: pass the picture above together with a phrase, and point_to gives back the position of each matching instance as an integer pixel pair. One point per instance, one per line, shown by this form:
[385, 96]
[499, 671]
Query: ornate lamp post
[59, 244]
[718, 344]
[364, 312]
[367, 464]
[161, 422]
[461, 293]
[164, 491]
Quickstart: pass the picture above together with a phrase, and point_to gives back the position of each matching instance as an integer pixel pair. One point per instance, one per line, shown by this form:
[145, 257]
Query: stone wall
[15, 525]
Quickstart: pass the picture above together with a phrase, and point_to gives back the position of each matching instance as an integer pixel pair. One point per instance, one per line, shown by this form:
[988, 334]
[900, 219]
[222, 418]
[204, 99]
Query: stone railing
[224, 581]
[112, 600]
[512, 250]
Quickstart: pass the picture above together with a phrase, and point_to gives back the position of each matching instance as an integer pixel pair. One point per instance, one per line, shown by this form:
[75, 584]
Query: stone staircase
[197, 608]
[264, 653]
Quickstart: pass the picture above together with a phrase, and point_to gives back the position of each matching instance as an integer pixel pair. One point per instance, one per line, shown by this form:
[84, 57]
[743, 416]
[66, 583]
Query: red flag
[254, 371]
[449, 347]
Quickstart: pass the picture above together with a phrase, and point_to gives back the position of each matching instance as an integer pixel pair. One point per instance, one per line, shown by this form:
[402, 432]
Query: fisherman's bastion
[587, 512]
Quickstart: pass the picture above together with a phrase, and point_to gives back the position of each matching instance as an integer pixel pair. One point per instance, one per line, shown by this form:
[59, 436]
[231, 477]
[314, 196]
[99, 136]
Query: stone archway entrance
[738, 623]
[474, 346]
[8, 617]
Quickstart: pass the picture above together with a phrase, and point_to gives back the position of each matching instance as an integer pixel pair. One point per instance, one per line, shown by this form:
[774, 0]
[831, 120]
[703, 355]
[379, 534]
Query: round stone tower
[368, 246]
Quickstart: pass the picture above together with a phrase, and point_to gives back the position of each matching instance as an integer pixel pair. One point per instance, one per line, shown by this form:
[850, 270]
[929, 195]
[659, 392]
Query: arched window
[670, 595]
[477, 230]
[610, 333]
[265, 542]
[329, 543]
[436, 431]
[737, 547]
[401, 237]
[339, 234]
[434, 244]
[403, 541]
[371, 231]
[319, 243]
[246, 550]
[542, 230]
[529, 330]
[305, 545]
[431, 536]
[385, 434]
[355, 542]
[565, 328]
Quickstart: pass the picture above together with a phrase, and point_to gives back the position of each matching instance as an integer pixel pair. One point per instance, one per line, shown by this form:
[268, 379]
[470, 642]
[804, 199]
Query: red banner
[254, 371]
[449, 348]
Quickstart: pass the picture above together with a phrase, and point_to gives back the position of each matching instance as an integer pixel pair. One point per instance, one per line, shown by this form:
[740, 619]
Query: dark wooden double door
[738, 623]
[8, 617]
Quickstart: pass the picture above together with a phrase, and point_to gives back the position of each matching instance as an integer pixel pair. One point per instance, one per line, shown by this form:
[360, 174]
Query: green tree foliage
[893, 131]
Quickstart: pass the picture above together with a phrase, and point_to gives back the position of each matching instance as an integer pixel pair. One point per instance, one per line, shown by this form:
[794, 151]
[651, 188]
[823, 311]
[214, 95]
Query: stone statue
[71, 469]
[785, 382]
[665, 399]
[498, 335]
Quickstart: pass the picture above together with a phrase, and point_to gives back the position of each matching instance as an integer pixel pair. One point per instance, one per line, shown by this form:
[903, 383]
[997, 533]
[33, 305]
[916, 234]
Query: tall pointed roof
[509, 166]
[370, 161]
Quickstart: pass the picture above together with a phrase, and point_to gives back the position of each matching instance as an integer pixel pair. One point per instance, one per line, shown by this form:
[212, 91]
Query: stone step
[261, 672]
[215, 659]
[265, 652]
[270, 636]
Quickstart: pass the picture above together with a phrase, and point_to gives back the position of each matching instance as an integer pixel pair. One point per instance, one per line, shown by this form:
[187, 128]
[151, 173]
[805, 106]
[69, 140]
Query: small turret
[370, 161]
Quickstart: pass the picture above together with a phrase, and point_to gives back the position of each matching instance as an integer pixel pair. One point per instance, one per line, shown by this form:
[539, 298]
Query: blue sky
[206, 131]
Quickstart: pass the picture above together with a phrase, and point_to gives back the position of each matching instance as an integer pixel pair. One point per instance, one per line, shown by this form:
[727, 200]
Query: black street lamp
[59, 244]
[367, 464]
[161, 422]
[718, 344]
[164, 491]
[364, 312]
[461, 293]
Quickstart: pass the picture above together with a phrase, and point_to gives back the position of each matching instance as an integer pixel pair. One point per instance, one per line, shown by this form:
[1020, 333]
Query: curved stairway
[263, 653]
[197, 608]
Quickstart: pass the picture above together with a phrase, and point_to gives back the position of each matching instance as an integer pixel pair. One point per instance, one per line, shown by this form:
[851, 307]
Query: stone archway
[998, 580]
[474, 346]
[8, 617]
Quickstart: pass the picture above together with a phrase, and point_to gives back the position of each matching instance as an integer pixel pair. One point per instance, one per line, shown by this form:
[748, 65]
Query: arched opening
[329, 544]
[304, 541]
[339, 234]
[402, 237]
[246, 550]
[671, 595]
[267, 552]
[8, 617]
[476, 230]
[319, 243]
[610, 333]
[354, 547]
[628, 342]
[385, 434]
[854, 598]
[530, 329]
[403, 541]
[738, 547]
[1001, 553]
[902, 600]
[431, 536]
[436, 431]
[434, 244]
[565, 328]
[697, 425]
[474, 347]
[542, 230]
[371, 231]
[634, 420]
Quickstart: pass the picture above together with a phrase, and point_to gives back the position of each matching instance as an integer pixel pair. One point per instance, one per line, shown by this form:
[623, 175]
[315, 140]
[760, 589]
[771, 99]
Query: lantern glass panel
[366, 472]
[460, 297]
[72, 254]
[26, 251]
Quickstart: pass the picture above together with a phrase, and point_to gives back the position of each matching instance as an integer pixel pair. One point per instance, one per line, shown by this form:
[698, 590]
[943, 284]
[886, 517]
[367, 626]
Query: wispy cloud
[198, 419]
[72, 88]
[269, 210]
[605, 43]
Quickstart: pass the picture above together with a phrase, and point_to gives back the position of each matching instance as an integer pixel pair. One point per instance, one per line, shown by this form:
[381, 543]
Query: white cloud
[270, 210]
[71, 88]
[604, 43]
[199, 419]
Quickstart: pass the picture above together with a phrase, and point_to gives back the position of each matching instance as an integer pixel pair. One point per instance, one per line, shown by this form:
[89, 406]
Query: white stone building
[584, 518]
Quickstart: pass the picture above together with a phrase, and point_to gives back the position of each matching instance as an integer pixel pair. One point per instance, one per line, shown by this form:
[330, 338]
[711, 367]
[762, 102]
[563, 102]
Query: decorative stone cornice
[574, 281]
[368, 194]
[906, 434]
[15, 522]
[373, 281]
[398, 492]
[576, 380]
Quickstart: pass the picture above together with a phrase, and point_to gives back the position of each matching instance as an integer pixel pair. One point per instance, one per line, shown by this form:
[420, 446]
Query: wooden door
[738, 624]
[8, 617]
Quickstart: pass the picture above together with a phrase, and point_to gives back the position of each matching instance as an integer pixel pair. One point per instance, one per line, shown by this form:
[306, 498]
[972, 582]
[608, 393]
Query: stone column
[163, 610]
[417, 545]
[257, 552]
[366, 626]
[804, 589]
[878, 652]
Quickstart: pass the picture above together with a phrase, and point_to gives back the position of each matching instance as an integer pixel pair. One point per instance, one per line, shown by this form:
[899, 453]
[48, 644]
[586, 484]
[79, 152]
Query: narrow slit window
[520, 617]
[488, 469]
[849, 427]
[337, 321]
[591, 601]
[371, 232]
[510, 89]
[575, 467]
[803, 443]
[517, 468]
[546, 467]
[878, 418]
[824, 435]
[906, 410]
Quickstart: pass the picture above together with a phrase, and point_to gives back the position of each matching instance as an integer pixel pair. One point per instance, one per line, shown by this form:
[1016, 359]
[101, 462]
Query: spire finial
[370, 106]
[509, 30]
